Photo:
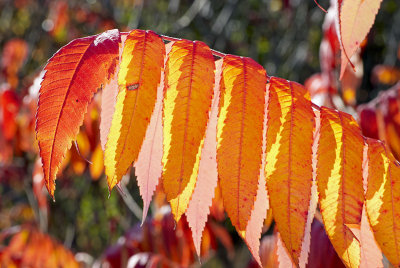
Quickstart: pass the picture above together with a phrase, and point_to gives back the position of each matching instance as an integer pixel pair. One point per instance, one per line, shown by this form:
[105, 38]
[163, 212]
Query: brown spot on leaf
[132, 86]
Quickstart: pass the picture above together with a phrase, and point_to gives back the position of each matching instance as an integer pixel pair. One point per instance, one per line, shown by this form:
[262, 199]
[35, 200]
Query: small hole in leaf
[132, 87]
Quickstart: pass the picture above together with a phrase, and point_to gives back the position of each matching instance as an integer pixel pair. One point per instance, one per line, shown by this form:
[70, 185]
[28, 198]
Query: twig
[40, 215]
[190, 14]
[69, 236]
[323, 9]
[79, 153]
[214, 52]
[223, 17]
[130, 202]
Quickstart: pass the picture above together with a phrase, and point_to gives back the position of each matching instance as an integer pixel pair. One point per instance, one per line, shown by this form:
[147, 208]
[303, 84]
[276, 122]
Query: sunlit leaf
[240, 136]
[356, 19]
[203, 193]
[138, 78]
[382, 199]
[289, 166]
[339, 180]
[188, 91]
[148, 167]
[67, 88]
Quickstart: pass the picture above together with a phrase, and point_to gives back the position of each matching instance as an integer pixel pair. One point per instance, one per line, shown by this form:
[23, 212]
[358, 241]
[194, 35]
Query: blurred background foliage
[282, 35]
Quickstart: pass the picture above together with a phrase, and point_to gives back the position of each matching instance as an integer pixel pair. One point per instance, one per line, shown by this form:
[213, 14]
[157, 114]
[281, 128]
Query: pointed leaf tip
[70, 73]
[199, 205]
[188, 93]
[356, 18]
[240, 135]
[148, 167]
[141, 63]
[289, 171]
[339, 180]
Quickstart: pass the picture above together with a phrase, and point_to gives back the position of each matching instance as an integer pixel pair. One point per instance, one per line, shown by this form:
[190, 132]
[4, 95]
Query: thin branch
[323, 9]
[190, 14]
[130, 202]
[214, 52]
[223, 17]
[79, 153]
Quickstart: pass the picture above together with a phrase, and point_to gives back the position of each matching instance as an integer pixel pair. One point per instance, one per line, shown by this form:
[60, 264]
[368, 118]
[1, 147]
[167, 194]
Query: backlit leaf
[148, 167]
[255, 224]
[207, 179]
[356, 19]
[97, 166]
[289, 166]
[109, 99]
[138, 79]
[239, 132]
[382, 199]
[188, 91]
[284, 259]
[339, 180]
[67, 88]
[306, 244]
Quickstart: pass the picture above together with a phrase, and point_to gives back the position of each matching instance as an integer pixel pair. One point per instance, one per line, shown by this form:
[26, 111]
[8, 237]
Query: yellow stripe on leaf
[138, 78]
[383, 199]
[240, 136]
[289, 160]
[339, 180]
[188, 92]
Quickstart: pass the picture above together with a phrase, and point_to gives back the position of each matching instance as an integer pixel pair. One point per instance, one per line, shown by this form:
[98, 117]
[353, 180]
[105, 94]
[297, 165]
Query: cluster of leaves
[238, 33]
[22, 250]
[195, 122]
[160, 241]
[379, 118]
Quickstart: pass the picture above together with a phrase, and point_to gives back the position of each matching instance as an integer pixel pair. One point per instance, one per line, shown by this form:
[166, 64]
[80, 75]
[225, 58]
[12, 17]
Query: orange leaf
[72, 76]
[207, 179]
[240, 136]
[289, 160]
[382, 199]
[80, 153]
[10, 105]
[188, 92]
[97, 166]
[138, 78]
[148, 167]
[306, 244]
[339, 180]
[385, 74]
[254, 227]
[13, 56]
[30, 248]
[356, 19]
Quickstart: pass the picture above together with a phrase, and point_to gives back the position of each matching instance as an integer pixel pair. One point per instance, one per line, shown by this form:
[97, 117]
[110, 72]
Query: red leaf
[72, 76]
